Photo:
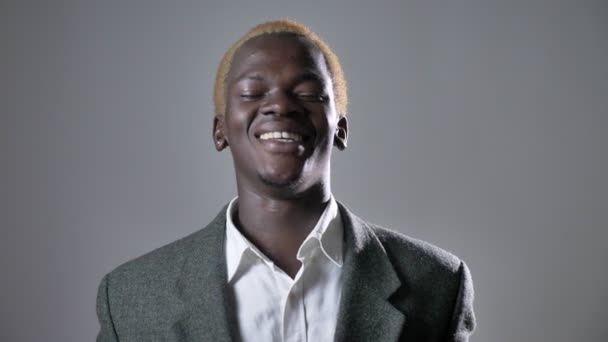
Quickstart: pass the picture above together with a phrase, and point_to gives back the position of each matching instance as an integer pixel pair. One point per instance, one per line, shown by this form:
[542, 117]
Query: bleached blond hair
[281, 26]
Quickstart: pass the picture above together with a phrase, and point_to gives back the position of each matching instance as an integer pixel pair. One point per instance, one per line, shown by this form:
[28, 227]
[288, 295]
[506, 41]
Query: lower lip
[278, 146]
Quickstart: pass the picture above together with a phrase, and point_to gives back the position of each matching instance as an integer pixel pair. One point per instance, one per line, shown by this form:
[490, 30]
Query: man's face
[280, 119]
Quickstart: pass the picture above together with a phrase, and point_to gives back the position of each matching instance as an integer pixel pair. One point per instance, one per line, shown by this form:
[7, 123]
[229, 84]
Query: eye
[248, 96]
[311, 97]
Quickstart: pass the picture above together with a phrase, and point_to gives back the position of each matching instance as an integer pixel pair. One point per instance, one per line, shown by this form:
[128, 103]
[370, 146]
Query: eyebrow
[251, 76]
[305, 76]
[310, 76]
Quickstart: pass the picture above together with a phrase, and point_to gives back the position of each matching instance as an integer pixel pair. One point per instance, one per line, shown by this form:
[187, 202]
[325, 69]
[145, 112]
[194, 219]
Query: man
[284, 261]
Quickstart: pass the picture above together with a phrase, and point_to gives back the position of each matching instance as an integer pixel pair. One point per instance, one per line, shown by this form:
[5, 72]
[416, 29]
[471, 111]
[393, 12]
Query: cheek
[328, 126]
[326, 130]
[238, 121]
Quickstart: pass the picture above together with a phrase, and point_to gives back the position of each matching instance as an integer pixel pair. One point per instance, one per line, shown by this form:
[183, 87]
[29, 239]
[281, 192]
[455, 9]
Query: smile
[282, 136]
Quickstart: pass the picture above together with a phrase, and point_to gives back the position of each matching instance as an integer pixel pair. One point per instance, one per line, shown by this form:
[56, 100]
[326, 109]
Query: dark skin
[280, 83]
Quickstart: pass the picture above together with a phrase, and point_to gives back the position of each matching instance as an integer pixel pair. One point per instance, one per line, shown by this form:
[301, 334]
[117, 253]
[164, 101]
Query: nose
[279, 102]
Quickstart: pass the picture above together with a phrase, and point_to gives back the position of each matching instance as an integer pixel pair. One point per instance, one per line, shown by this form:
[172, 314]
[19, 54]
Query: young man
[284, 261]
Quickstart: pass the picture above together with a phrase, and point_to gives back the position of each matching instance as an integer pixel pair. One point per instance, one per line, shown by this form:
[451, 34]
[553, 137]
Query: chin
[281, 182]
[283, 175]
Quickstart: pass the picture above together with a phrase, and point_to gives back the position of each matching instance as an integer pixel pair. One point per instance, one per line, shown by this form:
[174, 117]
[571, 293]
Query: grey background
[479, 126]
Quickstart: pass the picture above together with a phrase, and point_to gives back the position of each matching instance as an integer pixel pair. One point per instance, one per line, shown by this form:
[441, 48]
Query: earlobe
[341, 135]
[219, 137]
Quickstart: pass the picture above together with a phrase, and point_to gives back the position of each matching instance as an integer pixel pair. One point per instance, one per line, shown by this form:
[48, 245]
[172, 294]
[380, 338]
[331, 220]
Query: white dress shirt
[271, 306]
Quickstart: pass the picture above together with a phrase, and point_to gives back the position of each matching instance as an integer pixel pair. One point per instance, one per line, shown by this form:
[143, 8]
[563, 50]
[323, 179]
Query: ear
[219, 136]
[341, 135]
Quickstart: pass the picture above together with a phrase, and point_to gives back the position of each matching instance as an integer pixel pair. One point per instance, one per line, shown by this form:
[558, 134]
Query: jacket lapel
[369, 280]
[202, 288]
[365, 311]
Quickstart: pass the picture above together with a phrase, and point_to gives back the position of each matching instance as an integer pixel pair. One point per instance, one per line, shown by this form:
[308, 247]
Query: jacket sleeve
[107, 333]
[463, 323]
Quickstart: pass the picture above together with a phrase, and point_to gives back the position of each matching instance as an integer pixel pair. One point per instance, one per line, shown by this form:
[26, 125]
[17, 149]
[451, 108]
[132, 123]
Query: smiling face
[280, 120]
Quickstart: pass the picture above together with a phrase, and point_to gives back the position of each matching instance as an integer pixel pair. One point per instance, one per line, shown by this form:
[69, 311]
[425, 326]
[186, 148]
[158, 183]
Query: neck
[278, 226]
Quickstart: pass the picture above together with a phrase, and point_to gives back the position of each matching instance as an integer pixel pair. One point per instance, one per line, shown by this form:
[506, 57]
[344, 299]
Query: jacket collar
[365, 311]
[369, 280]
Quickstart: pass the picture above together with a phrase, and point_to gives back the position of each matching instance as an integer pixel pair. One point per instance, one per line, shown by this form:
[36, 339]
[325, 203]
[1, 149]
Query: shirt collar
[327, 235]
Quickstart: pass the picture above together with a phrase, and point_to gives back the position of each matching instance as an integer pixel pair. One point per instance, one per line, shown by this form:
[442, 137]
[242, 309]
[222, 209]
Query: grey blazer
[395, 289]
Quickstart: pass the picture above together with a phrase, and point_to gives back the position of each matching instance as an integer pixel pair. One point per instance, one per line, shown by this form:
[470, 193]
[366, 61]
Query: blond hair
[281, 26]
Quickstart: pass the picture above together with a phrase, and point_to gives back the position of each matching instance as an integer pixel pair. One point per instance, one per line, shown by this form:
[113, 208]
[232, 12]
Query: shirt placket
[293, 320]
[294, 323]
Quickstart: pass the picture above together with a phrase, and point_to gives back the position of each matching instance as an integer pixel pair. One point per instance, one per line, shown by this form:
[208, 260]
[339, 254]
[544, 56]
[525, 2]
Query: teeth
[282, 136]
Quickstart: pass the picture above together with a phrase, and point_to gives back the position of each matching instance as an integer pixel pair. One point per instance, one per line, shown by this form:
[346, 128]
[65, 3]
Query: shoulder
[436, 288]
[163, 260]
[405, 249]
[163, 265]
[141, 294]
[440, 282]
[426, 268]
[416, 262]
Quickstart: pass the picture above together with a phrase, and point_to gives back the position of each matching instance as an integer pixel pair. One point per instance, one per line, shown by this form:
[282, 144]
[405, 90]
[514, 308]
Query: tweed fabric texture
[396, 288]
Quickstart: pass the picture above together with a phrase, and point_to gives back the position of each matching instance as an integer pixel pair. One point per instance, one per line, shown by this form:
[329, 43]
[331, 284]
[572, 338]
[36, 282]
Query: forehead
[275, 51]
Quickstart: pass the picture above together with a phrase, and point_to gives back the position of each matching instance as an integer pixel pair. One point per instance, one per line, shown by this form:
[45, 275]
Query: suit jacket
[395, 289]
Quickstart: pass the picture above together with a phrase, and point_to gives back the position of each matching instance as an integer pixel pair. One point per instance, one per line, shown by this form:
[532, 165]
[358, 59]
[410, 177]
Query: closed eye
[312, 97]
[251, 96]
